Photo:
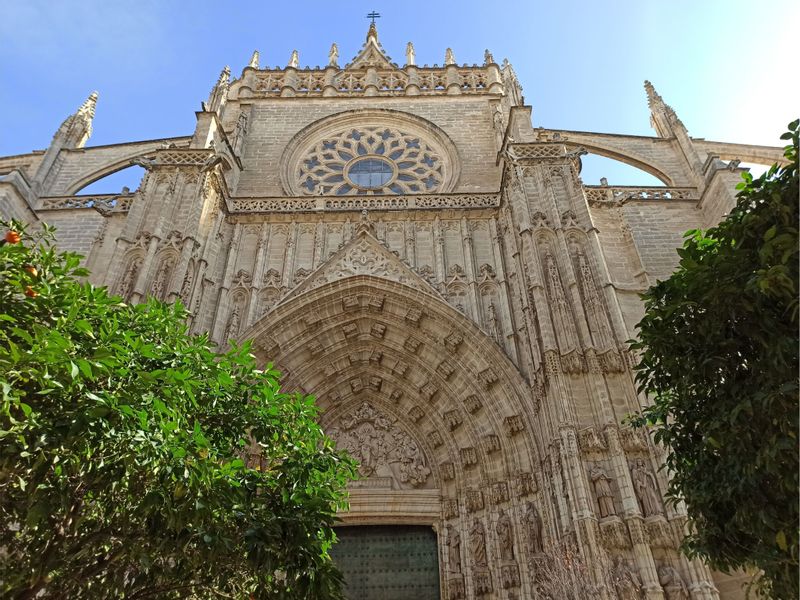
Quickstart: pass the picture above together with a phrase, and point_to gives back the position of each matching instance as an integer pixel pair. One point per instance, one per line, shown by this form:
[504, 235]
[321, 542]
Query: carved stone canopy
[388, 456]
[364, 255]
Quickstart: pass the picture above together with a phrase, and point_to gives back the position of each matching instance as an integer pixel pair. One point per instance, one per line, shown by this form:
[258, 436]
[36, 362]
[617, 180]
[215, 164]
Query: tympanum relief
[387, 455]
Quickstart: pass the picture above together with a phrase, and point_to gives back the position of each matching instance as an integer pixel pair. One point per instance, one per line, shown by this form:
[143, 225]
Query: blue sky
[727, 67]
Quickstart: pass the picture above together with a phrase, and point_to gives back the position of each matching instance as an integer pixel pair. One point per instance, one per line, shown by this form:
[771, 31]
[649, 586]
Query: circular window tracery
[371, 160]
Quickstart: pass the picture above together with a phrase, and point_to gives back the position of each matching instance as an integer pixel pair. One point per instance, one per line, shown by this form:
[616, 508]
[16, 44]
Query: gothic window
[371, 160]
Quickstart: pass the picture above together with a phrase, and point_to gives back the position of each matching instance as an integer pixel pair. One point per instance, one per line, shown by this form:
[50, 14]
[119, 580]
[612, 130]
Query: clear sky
[729, 68]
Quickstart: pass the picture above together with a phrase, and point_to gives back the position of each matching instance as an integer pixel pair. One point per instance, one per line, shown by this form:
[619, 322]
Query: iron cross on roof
[373, 15]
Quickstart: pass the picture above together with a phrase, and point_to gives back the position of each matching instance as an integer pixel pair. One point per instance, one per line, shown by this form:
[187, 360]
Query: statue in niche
[234, 322]
[454, 544]
[477, 542]
[333, 56]
[533, 529]
[505, 536]
[411, 56]
[672, 583]
[494, 324]
[159, 286]
[603, 492]
[644, 482]
[129, 278]
[186, 286]
[627, 584]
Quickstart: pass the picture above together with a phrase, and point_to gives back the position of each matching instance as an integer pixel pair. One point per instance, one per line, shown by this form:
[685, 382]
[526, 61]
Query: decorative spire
[488, 59]
[254, 60]
[652, 95]
[219, 93]
[449, 57]
[372, 34]
[88, 107]
[662, 115]
[333, 56]
[372, 53]
[411, 56]
[76, 129]
[294, 60]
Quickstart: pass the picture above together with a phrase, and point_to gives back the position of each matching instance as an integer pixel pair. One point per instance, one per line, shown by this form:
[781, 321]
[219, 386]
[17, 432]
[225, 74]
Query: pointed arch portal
[436, 414]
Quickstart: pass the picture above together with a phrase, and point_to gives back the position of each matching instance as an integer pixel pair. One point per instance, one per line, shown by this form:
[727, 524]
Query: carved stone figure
[161, 280]
[333, 55]
[411, 56]
[644, 482]
[488, 59]
[603, 492]
[533, 529]
[477, 544]
[129, 277]
[234, 322]
[627, 584]
[186, 286]
[449, 57]
[294, 60]
[672, 583]
[454, 544]
[505, 537]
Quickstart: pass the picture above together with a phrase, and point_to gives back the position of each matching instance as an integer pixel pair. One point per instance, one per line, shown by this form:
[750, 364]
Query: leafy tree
[128, 461]
[719, 356]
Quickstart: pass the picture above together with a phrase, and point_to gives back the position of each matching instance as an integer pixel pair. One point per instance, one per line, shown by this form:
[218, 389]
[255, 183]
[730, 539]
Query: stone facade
[404, 245]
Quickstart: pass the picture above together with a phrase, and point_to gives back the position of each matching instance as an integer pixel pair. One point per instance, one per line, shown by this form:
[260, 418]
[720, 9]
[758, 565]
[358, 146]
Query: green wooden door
[391, 562]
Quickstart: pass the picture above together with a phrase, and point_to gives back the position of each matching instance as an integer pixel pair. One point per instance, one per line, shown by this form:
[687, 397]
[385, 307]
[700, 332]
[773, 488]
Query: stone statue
[533, 529]
[644, 483]
[602, 490]
[411, 57]
[477, 543]
[449, 57]
[672, 583]
[160, 282]
[627, 584]
[294, 60]
[233, 323]
[488, 59]
[454, 543]
[333, 56]
[186, 286]
[254, 60]
[129, 278]
[505, 537]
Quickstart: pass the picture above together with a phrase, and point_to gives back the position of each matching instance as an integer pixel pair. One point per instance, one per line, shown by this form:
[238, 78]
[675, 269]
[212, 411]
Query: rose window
[371, 160]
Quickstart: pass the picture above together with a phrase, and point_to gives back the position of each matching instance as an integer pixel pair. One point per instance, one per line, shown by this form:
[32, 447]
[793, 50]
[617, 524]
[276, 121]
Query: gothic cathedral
[403, 244]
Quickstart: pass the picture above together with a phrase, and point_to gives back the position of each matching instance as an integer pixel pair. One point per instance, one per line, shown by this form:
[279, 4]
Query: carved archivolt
[386, 453]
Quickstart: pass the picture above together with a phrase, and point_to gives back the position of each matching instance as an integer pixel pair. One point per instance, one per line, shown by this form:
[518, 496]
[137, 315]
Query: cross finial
[374, 15]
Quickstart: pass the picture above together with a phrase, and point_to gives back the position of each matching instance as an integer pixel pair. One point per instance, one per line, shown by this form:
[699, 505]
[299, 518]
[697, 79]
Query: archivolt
[409, 354]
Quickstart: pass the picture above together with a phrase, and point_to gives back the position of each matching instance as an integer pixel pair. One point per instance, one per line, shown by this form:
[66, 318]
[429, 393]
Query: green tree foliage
[128, 466]
[719, 356]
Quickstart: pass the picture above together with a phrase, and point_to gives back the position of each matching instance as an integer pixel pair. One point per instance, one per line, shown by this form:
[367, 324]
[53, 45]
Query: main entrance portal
[393, 562]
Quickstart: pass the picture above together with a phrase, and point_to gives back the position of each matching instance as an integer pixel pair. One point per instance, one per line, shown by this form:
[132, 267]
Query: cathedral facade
[403, 244]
